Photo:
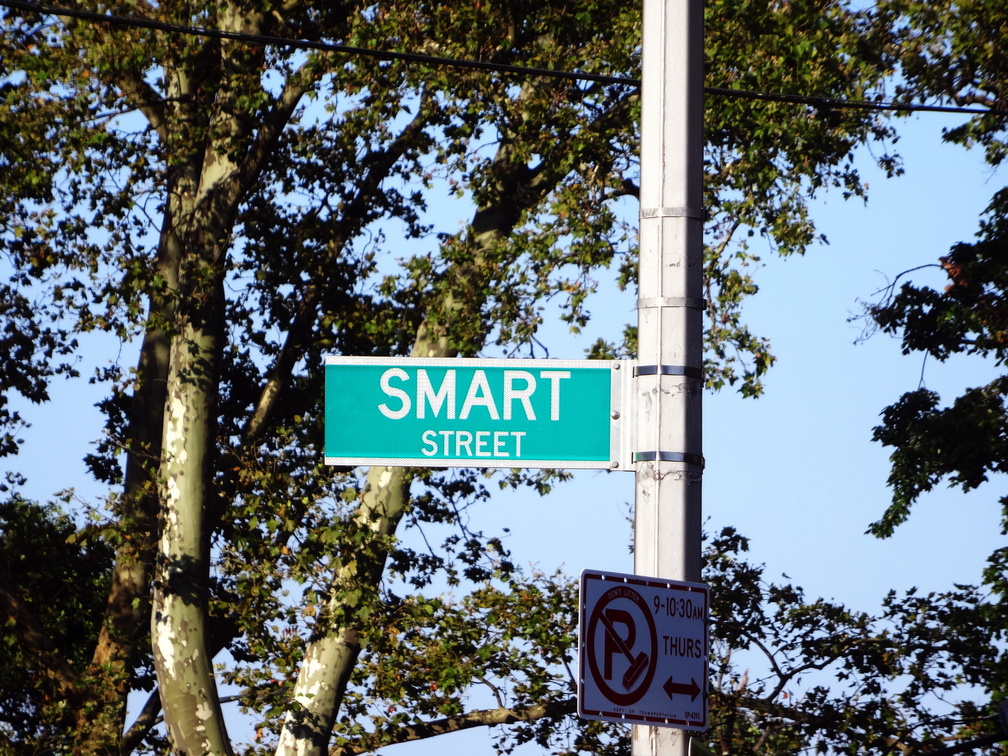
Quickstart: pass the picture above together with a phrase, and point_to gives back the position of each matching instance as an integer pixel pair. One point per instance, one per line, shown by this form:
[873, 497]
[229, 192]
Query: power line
[306, 44]
[479, 65]
[828, 103]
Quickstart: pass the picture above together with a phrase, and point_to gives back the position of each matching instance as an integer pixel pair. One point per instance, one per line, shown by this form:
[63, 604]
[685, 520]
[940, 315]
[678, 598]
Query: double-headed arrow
[691, 688]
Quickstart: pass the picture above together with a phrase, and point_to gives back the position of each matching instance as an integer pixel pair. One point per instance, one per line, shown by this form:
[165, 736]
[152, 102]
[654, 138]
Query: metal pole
[670, 307]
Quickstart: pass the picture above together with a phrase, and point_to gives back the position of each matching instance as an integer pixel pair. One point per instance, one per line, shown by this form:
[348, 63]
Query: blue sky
[795, 470]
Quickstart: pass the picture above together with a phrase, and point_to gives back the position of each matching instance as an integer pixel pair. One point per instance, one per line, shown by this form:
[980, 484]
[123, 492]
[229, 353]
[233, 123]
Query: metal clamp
[699, 214]
[664, 456]
[689, 372]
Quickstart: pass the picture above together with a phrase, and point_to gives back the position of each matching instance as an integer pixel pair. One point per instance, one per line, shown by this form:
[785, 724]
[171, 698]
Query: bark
[101, 724]
[331, 655]
[178, 624]
[205, 188]
[203, 207]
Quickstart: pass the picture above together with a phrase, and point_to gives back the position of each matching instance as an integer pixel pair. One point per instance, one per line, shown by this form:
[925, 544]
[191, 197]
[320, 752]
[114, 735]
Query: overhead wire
[307, 44]
[481, 65]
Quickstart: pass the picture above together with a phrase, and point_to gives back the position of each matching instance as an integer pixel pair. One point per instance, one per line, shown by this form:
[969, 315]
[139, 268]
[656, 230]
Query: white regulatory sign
[643, 650]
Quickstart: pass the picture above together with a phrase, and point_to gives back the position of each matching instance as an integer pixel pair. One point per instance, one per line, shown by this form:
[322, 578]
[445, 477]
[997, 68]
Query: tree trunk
[332, 653]
[212, 179]
[179, 617]
[179, 633]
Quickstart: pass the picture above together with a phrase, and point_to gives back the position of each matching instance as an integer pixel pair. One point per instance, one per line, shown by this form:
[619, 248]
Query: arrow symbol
[692, 689]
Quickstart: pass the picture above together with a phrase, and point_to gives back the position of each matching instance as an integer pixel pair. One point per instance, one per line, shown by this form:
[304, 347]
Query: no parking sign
[643, 650]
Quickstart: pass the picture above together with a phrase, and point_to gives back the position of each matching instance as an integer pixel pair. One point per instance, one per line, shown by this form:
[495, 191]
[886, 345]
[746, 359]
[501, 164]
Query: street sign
[643, 650]
[477, 412]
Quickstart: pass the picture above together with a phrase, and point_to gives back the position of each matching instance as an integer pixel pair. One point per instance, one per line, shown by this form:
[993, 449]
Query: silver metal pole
[668, 520]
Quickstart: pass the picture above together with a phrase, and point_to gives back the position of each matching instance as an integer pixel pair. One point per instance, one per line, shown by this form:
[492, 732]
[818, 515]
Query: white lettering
[462, 443]
[482, 440]
[428, 440]
[463, 439]
[479, 395]
[554, 377]
[397, 393]
[425, 394]
[446, 434]
[518, 437]
[523, 395]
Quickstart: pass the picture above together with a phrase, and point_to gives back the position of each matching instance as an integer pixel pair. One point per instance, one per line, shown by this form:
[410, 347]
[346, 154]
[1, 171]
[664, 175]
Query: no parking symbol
[643, 650]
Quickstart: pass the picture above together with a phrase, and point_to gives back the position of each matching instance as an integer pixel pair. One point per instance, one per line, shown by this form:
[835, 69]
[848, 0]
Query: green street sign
[476, 412]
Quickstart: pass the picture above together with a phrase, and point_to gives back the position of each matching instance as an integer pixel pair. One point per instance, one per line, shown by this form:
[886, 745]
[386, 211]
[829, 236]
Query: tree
[46, 643]
[942, 53]
[948, 51]
[791, 675]
[233, 208]
[965, 441]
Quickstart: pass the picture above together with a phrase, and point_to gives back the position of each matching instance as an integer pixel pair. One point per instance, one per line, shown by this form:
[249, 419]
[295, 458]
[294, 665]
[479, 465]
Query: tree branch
[148, 717]
[479, 718]
[306, 310]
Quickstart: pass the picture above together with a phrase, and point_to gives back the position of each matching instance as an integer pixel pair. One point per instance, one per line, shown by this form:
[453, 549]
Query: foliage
[766, 160]
[949, 50]
[226, 213]
[963, 442]
[54, 587]
[773, 650]
[943, 52]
